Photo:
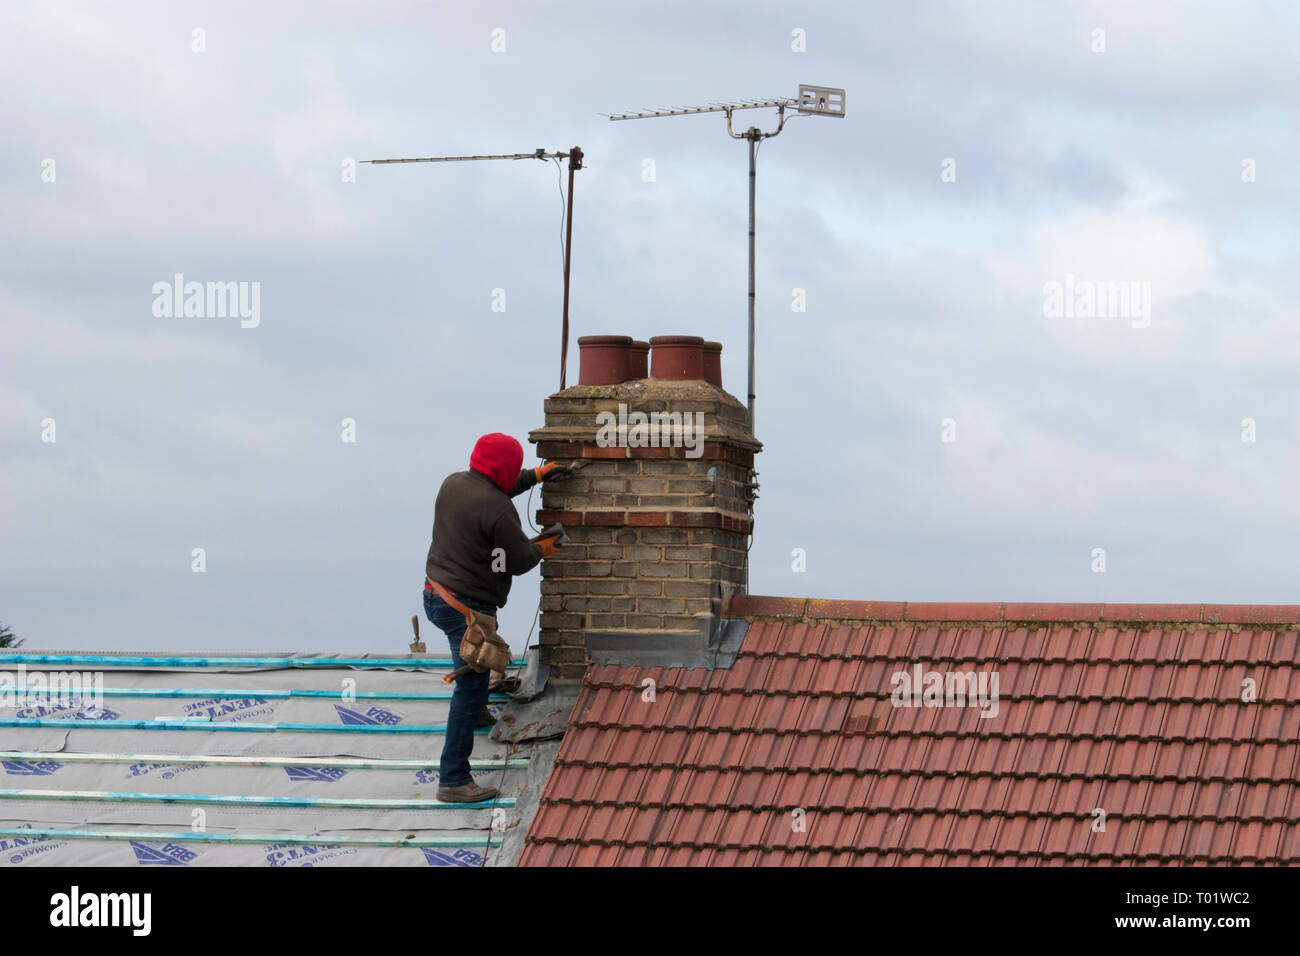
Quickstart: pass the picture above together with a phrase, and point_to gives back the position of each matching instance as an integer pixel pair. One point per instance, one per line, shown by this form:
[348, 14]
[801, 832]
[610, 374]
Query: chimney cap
[604, 340]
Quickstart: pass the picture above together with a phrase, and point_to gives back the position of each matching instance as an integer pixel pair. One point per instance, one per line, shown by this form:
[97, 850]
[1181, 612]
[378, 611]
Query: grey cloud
[176, 433]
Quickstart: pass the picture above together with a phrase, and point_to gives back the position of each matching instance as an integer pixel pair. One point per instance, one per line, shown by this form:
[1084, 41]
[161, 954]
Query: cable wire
[559, 182]
[528, 510]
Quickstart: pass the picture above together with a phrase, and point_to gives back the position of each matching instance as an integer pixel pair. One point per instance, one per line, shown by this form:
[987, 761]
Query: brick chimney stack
[661, 512]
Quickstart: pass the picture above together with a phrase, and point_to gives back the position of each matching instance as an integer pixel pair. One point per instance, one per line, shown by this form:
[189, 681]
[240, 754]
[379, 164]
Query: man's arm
[531, 476]
[521, 554]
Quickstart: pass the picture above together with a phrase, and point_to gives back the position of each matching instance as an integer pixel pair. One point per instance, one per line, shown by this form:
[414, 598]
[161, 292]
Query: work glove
[549, 546]
[551, 471]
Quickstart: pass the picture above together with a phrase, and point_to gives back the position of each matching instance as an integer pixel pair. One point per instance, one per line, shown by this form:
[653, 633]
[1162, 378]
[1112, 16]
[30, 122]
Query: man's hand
[549, 546]
[552, 471]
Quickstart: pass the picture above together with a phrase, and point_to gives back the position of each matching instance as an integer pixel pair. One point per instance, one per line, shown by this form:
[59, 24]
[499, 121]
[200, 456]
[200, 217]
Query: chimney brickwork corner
[659, 515]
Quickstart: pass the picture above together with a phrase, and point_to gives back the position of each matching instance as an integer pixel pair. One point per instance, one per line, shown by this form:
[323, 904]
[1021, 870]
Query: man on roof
[478, 547]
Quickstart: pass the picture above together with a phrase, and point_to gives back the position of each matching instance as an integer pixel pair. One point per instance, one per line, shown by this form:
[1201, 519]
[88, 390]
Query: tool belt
[480, 646]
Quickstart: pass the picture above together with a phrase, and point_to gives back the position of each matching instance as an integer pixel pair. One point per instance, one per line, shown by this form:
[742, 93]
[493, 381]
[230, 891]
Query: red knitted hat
[499, 457]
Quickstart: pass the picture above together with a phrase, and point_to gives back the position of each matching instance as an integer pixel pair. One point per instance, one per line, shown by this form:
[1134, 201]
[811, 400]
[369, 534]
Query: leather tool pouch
[481, 647]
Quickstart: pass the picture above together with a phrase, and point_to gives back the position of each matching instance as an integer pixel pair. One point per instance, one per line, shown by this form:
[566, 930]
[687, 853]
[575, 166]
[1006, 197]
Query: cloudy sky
[988, 151]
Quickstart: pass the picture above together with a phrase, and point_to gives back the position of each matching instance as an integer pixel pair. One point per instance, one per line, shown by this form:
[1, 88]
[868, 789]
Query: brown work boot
[466, 793]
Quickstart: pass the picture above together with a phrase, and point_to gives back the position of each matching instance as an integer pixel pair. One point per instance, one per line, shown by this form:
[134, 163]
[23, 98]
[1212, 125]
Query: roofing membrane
[270, 760]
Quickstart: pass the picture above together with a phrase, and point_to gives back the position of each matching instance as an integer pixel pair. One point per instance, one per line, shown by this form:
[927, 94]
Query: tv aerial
[574, 156]
[811, 101]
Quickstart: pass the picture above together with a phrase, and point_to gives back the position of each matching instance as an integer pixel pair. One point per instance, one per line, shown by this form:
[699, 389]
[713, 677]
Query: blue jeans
[470, 695]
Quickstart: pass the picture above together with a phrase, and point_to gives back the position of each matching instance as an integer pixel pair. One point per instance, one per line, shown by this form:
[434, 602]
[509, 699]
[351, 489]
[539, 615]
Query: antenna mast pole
[575, 163]
[753, 135]
[574, 156]
[811, 101]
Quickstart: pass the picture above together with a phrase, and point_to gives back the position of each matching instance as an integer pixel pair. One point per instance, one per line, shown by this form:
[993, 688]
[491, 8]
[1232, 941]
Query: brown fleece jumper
[476, 529]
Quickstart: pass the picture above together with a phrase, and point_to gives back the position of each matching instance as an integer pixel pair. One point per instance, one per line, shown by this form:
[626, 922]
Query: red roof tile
[1122, 734]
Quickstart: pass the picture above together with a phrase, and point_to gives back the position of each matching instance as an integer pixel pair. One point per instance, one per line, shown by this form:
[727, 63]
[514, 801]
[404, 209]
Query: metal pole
[752, 136]
[575, 163]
